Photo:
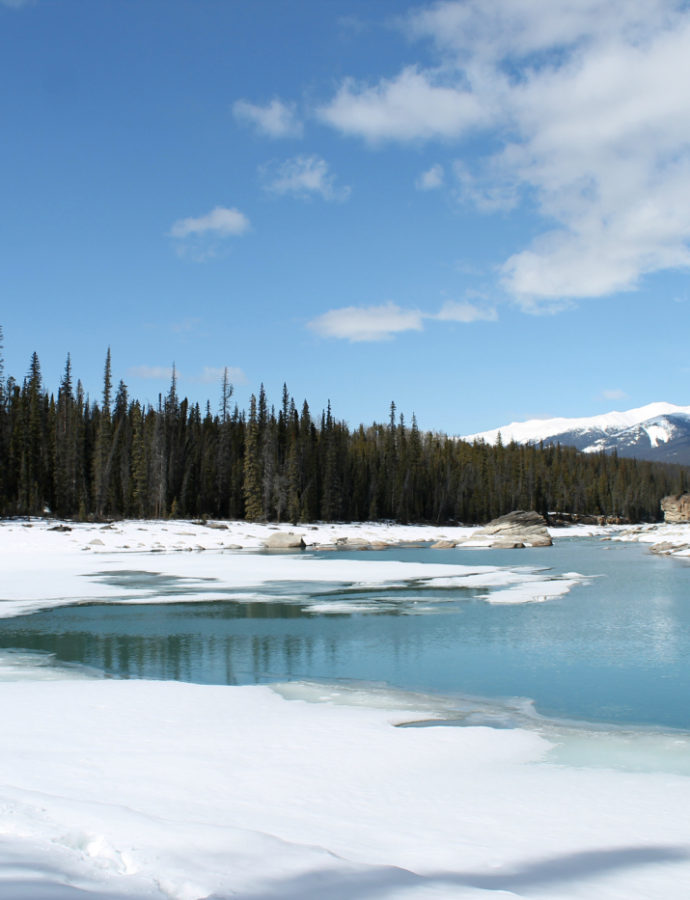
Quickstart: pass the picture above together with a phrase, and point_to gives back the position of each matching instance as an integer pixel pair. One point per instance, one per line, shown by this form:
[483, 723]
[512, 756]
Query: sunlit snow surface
[44, 569]
[537, 430]
[166, 790]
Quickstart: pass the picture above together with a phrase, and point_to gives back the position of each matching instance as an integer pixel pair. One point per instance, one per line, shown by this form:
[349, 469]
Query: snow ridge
[652, 419]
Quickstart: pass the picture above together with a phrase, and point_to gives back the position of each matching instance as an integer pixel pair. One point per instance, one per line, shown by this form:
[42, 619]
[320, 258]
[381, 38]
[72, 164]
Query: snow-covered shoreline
[142, 789]
[144, 536]
[137, 535]
[169, 790]
[664, 539]
[48, 564]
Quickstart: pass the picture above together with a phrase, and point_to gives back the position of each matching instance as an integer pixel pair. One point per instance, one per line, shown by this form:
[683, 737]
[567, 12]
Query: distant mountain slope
[658, 431]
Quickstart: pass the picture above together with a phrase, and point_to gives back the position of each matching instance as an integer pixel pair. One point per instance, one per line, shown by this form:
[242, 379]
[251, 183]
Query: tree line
[120, 458]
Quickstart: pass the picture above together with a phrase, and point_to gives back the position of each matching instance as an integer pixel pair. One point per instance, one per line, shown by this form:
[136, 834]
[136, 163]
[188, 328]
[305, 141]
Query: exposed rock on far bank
[676, 509]
[669, 548]
[515, 530]
[284, 540]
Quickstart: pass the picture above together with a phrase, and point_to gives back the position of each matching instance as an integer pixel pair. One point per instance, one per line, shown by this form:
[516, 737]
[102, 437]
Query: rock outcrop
[352, 543]
[676, 509]
[284, 540]
[514, 530]
[669, 548]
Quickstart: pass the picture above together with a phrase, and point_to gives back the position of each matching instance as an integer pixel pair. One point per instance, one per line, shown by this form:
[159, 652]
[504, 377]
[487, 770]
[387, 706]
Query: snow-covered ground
[167, 790]
[140, 536]
[669, 540]
[114, 789]
[44, 567]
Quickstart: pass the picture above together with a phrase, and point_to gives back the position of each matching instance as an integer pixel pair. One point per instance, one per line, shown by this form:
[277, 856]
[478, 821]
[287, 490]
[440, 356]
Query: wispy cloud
[431, 179]
[214, 374]
[153, 372]
[416, 105]
[614, 394]
[303, 176]
[586, 106]
[17, 4]
[201, 237]
[367, 323]
[462, 311]
[220, 221]
[185, 326]
[491, 190]
[382, 323]
[275, 120]
[208, 375]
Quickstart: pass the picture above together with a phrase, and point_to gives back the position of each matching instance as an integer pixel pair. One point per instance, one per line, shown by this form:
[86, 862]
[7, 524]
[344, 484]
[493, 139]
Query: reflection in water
[617, 649]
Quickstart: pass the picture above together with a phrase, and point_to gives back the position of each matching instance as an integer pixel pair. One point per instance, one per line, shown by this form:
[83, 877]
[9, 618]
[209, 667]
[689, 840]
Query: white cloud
[303, 176]
[587, 104]
[413, 106]
[214, 374]
[431, 179]
[493, 190]
[462, 311]
[151, 372]
[489, 31]
[220, 221]
[209, 374]
[613, 394]
[200, 238]
[382, 323]
[367, 323]
[186, 326]
[275, 120]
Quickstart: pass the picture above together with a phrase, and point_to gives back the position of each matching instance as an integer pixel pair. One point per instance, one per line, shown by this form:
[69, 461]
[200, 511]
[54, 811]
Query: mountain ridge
[658, 431]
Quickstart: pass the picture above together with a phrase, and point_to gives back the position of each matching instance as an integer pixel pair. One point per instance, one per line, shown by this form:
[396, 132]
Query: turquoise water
[616, 649]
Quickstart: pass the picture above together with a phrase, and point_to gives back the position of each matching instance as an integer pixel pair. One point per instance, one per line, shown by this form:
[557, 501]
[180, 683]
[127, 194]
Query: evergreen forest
[73, 457]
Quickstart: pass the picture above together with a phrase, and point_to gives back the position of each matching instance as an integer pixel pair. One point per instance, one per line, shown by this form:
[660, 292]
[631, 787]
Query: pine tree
[65, 446]
[253, 502]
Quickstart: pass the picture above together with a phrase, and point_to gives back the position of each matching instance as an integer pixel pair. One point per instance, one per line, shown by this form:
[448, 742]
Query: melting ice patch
[581, 745]
[250, 577]
[424, 595]
[37, 665]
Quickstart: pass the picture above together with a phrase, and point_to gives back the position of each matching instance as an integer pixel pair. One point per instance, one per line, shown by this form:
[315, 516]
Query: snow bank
[44, 568]
[671, 540]
[143, 536]
[167, 535]
[168, 790]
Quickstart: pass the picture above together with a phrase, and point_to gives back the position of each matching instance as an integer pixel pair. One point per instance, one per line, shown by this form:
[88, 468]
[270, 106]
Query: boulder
[516, 529]
[444, 545]
[676, 509]
[663, 547]
[352, 543]
[284, 540]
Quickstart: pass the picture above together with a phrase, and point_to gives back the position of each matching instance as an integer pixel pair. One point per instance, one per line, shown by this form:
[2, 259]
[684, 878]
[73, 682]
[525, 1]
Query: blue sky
[478, 210]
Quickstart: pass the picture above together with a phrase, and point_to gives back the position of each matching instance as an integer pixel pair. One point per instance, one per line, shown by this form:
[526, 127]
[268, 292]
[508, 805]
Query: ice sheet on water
[627, 750]
[67, 578]
[37, 665]
[345, 607]
[576, 744]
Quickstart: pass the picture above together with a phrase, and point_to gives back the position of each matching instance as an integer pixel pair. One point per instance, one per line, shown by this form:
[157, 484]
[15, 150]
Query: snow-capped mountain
[658, 431]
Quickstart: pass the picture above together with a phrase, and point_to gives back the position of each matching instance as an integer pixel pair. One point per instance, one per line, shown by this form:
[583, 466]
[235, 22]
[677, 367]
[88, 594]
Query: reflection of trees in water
[202, 657]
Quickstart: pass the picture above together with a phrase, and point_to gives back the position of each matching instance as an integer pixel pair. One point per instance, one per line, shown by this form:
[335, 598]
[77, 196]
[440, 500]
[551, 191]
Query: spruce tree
[253, 501]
